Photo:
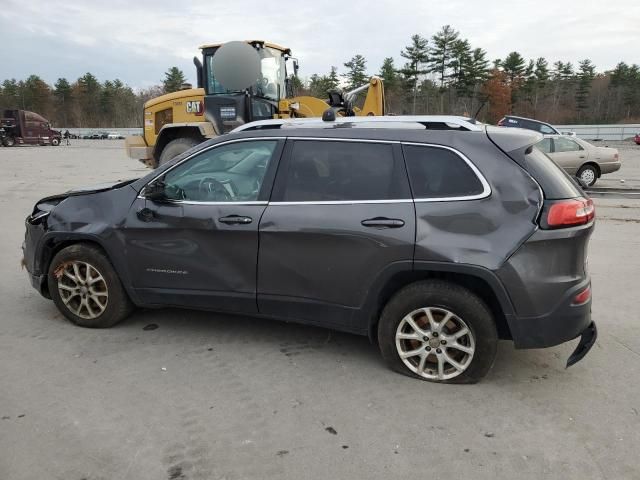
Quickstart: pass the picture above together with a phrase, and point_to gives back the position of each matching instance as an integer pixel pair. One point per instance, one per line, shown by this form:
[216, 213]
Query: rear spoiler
[513, 141]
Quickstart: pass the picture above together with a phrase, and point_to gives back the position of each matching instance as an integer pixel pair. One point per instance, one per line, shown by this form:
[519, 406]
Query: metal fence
[588, 132]
[82, 132]
[602, 132]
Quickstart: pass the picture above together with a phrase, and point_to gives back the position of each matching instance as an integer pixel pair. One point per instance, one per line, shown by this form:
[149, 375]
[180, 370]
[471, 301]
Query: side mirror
[156, 191]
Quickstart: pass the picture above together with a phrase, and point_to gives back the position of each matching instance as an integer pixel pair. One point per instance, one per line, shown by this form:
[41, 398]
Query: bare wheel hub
[435, 343]
[82, 289]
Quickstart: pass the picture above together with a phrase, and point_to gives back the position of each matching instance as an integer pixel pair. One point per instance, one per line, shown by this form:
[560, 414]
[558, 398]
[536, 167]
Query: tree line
[445, 74]
[87, 102]
[442, 74]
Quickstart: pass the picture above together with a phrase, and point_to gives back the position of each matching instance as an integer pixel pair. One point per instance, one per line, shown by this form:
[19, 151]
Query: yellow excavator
[238, 82]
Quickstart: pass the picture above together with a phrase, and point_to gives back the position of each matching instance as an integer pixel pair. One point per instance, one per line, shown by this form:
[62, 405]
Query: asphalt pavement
[175, 394]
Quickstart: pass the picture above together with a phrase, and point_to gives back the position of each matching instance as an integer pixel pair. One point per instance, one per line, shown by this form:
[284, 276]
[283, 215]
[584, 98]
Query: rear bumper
[609, 167]
[587, 340]
[564, 323]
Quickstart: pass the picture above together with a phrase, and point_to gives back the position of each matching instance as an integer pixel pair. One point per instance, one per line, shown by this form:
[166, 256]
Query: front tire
[86, 289]
[8, 141]
[588, 174]
[55, 142]
[438, 331]
[176, 147]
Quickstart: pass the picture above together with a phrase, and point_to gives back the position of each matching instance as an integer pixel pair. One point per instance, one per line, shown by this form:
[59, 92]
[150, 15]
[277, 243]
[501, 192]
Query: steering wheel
[214, 190]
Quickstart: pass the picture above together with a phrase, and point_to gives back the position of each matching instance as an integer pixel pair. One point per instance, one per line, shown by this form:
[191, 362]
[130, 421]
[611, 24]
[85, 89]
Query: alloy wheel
[435, 343]
[82, 289]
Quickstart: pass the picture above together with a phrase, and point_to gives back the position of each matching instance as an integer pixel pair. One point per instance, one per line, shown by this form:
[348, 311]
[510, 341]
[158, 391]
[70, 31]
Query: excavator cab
[242, 86]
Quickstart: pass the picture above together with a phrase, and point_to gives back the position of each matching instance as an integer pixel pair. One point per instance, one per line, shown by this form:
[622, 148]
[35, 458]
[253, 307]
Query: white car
[113, 136]
[579, 158]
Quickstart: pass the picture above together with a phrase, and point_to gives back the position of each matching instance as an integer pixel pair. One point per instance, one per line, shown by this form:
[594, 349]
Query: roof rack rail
[427, 122]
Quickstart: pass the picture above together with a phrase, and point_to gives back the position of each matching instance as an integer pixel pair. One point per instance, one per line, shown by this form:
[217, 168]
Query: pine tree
[321, 85]
[586, 74]
[62, 94]
[173, 80]
[417, 55]
[333, 82]
[388, 73]
[441, 53]
[356, 75]
[87, 91]
[514, 66]
[10, 94]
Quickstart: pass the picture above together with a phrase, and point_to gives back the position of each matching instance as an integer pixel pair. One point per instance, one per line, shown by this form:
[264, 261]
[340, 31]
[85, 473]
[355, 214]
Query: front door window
[229, 173]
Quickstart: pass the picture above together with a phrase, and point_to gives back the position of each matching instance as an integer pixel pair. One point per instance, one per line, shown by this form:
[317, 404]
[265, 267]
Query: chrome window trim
[211, 147]
[257, 203]
[486, 188]
[353, 140]
[343, 202]
[484, 194]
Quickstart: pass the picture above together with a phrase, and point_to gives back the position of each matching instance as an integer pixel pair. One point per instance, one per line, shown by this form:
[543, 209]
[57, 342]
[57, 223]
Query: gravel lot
[208, 396]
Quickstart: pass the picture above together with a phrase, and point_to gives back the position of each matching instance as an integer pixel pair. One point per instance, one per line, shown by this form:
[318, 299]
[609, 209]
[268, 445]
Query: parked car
[113, 136]
[579, 158]
[637, 138]
[424, 238]
[531, 124]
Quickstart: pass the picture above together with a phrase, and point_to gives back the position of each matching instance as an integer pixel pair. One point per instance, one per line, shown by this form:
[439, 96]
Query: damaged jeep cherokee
[434, 236]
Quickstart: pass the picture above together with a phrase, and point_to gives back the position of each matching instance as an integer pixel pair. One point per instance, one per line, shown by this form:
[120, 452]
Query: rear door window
[562, 144]
[436, 172]
[328, 171]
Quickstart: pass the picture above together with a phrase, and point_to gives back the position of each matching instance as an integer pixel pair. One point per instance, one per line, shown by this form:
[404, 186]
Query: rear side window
[440, 173]
[544, 145]
[554, 181]
[566, 145]
[546, 129]
[342, 171]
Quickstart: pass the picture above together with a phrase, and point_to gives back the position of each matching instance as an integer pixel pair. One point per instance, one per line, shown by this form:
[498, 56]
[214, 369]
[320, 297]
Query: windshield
[270, 84]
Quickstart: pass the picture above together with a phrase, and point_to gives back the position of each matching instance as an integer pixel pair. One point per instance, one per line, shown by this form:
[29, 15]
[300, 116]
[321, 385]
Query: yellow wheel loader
[238, 82]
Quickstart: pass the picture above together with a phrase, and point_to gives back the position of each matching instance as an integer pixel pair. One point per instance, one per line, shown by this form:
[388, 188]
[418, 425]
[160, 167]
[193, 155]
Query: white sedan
[579, 158]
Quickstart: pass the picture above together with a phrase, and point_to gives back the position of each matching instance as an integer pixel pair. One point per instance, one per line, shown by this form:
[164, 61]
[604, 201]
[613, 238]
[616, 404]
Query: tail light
[583, 297]
[568, 213]
[616, 156]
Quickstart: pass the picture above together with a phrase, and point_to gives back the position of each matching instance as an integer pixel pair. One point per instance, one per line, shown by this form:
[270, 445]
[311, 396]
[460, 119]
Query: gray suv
[433, 236]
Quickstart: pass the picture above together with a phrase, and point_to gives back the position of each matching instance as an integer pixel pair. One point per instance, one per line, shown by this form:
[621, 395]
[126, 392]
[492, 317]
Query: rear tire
[175, 148]
[453, 325]
[55, 142]
[8, 141]
[86, 289]
[588, 174]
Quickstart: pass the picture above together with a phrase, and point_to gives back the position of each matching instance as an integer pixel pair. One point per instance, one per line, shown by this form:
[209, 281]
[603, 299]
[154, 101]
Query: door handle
[581, 156]
[383, 222]
[235, 220]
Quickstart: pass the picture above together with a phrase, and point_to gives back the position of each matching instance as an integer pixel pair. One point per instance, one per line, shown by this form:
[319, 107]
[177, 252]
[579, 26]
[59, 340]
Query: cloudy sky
[137, 41]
